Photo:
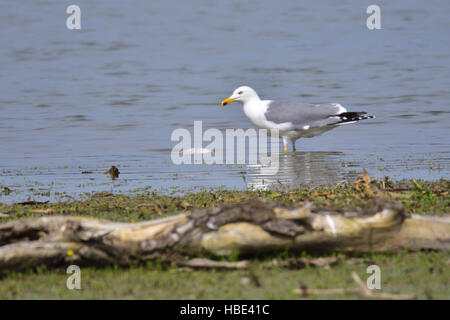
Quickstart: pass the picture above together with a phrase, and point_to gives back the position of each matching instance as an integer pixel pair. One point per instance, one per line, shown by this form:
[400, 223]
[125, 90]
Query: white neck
[251, 100]
[255, 109]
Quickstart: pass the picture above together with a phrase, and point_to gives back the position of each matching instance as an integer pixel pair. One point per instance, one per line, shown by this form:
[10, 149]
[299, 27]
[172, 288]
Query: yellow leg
[285, 149]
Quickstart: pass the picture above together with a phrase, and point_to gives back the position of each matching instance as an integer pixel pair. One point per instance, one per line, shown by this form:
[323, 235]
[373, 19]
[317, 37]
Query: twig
[306, 291]
[379, 295]
[44, 211]
[212, 264]
[362, 288]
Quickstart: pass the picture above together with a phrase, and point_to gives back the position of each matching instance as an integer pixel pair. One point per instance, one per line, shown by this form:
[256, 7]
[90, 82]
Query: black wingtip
[354, 116]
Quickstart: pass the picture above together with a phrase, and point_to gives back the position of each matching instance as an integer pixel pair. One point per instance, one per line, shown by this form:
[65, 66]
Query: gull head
[242, 94]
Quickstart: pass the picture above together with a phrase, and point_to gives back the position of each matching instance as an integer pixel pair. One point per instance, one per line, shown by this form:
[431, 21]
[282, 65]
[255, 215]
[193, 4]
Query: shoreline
[422, 275]
[418, 196]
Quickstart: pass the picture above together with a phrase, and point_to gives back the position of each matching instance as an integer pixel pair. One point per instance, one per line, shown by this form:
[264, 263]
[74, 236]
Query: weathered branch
[250, 227]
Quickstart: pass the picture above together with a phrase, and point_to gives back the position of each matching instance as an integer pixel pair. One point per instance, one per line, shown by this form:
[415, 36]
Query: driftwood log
[252, 227]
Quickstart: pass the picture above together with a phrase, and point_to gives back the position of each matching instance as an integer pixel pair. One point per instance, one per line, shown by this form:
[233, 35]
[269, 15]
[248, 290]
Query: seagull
[294, 120]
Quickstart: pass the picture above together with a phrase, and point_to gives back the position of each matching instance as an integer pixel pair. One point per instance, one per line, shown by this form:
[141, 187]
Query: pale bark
[252, 227]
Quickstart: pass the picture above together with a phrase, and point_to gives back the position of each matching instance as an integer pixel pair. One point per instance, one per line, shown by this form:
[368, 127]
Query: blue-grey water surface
[113, 92]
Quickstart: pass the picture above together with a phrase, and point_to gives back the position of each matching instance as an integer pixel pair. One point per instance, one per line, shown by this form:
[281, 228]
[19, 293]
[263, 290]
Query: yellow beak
[227, 101]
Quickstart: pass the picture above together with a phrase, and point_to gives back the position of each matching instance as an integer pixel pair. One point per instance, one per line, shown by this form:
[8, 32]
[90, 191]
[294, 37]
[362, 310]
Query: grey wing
[304, 114]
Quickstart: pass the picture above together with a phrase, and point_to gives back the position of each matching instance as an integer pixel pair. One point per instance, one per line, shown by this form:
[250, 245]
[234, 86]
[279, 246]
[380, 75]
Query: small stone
[113, 172]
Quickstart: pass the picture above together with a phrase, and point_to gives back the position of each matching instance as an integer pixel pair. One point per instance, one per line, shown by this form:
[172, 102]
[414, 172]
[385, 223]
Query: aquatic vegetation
[422, 197]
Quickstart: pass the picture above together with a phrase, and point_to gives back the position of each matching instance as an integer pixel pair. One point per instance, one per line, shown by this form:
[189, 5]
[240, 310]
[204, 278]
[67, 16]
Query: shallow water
[113, 92]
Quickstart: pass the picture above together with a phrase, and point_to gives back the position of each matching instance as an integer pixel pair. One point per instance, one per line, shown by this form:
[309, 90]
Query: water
[113, 92]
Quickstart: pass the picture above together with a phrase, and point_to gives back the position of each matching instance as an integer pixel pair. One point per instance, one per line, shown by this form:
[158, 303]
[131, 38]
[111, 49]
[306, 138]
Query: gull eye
[240, 92]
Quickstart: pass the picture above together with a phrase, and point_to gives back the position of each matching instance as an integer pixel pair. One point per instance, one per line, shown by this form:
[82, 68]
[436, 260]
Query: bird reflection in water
[298, 168]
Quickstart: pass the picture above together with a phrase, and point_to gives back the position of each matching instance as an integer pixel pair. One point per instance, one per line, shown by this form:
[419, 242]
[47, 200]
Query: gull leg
[293, 145]
[285, 142]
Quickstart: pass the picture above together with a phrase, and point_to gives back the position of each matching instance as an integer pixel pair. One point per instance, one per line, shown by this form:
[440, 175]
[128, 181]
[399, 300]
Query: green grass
[424, 274]
[421, 197]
